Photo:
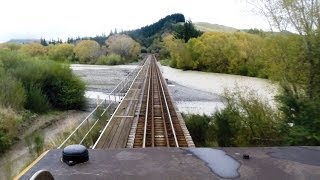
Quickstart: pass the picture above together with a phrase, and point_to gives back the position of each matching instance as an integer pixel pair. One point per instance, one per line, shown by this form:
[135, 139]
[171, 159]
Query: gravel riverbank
[194, 92]
[201, 92]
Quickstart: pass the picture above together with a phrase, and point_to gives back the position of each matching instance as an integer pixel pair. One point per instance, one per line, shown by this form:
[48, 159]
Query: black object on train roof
[75, 154]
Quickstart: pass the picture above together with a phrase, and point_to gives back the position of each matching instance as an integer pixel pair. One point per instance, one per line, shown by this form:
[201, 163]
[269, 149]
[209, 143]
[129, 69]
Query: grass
[207, 27]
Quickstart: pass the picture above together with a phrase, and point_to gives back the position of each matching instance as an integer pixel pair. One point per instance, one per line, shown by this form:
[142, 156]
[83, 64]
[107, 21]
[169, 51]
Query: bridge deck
[125, 128]
[115, 134]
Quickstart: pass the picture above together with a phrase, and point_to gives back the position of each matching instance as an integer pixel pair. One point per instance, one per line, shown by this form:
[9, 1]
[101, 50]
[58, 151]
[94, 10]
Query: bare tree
[123, 45]
[302, 16]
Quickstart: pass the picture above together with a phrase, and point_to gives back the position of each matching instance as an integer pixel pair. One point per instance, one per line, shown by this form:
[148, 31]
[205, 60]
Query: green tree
[186, 31]
[87, 51]
[43, 42]
[124, 46]
[299, 103]
[283, 56]
[61, 52]
[34, 49]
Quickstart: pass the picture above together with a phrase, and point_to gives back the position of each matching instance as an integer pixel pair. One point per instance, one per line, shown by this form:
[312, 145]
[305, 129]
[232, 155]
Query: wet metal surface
[298, 154]
[175, 163]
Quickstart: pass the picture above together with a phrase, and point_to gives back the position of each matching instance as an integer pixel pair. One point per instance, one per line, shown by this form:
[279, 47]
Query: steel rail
[147, 109]
[163, 118]
[166, 103]
[152, 111]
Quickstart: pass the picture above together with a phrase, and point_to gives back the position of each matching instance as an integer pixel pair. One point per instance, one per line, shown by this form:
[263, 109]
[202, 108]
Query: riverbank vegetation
[292, 59]
[33, 85]
[83, 51]
[246, 120]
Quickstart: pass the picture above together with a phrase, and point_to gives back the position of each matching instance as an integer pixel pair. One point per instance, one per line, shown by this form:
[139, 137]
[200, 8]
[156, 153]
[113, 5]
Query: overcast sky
[71, 18]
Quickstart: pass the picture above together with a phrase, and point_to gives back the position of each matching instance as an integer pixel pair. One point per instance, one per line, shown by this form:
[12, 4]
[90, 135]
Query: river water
[193, 91]
[206, 88]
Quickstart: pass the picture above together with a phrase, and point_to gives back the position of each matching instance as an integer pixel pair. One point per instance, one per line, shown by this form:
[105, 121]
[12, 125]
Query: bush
[111, 59]
[226, 127]
[87, 51]
[36, 100]
[247, 120]
[10, 46]
[12, 93]
[34, 49]
[63, 89]
[52, 81]
[301, 117]
[39, 143]
[9, 121]
[198, 127]
[61, 52]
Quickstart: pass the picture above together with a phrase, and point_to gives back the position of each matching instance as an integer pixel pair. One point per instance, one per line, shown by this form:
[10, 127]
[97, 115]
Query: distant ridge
[207, 27]
[146, 35]
[23, 41]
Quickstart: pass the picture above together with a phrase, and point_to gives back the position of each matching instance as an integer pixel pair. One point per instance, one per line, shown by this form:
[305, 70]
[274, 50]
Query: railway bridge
[146, 116]
[145, 137]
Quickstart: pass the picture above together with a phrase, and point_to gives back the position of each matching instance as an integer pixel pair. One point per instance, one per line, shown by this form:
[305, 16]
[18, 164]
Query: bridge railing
[89, 129]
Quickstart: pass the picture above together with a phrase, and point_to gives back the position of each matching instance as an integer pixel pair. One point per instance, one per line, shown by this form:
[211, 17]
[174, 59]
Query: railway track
[158, 124]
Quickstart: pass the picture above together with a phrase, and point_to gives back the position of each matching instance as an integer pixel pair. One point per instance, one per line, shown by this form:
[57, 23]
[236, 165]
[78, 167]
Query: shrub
[11, 59]
[9, 121]
[36, 100]
[225, 123]
[63, 89]
[39, 143]
[111, 59]
[247, 120]
[10, 46]
[34, 49]
[301, 117]
[198, 127]
[52, 81]
[87, 51]
[12, 93]
[61, 52]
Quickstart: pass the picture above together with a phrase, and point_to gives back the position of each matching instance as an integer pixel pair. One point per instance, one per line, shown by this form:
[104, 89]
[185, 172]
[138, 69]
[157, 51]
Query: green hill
[205, 27]
[147, 34]
[23, 41]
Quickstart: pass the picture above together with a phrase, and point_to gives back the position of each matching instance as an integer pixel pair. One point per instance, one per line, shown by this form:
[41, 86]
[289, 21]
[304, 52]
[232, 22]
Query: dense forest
[146, 35]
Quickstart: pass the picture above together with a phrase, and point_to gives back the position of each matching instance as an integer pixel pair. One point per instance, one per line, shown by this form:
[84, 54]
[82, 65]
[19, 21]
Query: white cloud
[64, 18]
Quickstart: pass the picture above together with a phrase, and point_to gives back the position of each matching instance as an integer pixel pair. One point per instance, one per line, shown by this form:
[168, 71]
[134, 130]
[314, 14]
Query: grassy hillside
[205, 27]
